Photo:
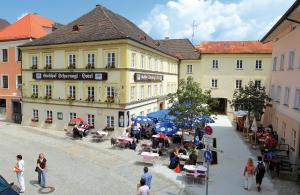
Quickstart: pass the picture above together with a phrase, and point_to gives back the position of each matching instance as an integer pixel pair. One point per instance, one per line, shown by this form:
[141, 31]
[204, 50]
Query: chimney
[98, 5]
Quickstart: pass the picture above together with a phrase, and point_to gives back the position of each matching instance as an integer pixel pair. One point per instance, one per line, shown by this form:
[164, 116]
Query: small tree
[189, 102]
[251, 98]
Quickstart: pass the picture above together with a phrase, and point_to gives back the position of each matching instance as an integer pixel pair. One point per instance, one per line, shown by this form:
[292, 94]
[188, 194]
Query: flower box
[34, 95]
[34, 120]
[71, 98]
[49, 121]
[33, 67]
[110, 99]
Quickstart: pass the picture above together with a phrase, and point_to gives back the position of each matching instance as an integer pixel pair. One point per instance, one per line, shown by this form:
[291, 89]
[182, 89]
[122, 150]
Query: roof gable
[234, 47]
[30, 26]
[3, 23]
[98, 25]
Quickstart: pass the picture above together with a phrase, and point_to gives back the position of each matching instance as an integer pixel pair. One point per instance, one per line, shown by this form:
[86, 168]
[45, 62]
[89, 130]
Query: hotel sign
[96, 76]
[138, 77]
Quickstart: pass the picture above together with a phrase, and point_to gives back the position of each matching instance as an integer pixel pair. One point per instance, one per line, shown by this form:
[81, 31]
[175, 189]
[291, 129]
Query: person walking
[249, 173]
[260, 173]
[42, 169]
[143, 189]
[147, 177]
[19, 170]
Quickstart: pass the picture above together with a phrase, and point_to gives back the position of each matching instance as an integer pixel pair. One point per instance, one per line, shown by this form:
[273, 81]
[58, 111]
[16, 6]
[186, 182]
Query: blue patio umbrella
[166, 128]
[162, 116]
[197, 138]
[142, 120]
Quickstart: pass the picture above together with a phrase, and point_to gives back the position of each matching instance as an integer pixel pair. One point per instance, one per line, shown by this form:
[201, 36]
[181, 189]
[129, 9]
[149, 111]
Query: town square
[161, 97]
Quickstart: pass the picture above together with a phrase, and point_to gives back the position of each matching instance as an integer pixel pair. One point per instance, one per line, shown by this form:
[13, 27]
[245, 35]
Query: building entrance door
[2, 108]
[17, 112]
[161, 105]
[221, 106]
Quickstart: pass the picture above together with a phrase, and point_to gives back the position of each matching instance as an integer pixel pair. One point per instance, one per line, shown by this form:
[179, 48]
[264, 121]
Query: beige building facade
[228, 65]
[284, 86]
[104, 80]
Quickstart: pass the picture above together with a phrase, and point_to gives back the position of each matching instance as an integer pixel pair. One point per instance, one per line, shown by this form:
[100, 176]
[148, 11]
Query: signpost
[208, 142]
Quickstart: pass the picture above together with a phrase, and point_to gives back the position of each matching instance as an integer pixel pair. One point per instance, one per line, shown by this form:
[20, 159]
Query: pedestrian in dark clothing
[42, 169]
[260, 173]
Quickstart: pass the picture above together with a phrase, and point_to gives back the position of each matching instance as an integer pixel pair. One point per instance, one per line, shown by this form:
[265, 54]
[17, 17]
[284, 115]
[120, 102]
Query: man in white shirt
[19, 169]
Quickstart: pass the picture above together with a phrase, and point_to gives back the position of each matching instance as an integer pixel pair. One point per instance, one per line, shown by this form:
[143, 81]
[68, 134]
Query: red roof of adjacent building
[234, 47]
[30, 26]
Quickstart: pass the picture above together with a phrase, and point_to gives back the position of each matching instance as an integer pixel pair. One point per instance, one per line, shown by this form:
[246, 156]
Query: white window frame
[110, 121]
[189, 69]
[49, 115]
[18, 85]
[294, 138]
[91, 120]
[291, 60]
[142, 92]
[72, 115]
[282, 58]
[257, 81]
[91, 59]
[34, 60]
[72, 91]
[215, 64]
[239, 64]
[132, 93]
[258, 64]
[2, 83]
[35, 114]
[286, 96]
[133, 60]
[278, 93]
[91, 92]
[142, 61]
[48, 90]
[275, 63]
[111, 59]
[35, 89]
[48, 60]
[154, 90]
[238, 84]
[214, 83]
[297, 99]
[72, 59]
[110, 91]
[149, 90]
[7, 55]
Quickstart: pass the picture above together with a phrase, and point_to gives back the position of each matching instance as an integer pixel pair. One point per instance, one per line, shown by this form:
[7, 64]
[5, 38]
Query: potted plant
[34, 95]
[33, 67]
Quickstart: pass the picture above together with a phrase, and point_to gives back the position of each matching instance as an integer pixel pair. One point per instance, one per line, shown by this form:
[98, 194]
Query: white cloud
[215, 20]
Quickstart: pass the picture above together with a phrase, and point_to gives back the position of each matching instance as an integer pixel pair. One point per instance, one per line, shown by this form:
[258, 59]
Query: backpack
[261, 168]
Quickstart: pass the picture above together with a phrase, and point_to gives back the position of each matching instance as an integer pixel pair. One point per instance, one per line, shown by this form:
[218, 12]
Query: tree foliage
[189, 101]
[250, 98]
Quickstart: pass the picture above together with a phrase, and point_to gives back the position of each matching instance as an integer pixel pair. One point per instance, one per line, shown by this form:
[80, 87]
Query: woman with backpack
[249, 173]
[260, 173]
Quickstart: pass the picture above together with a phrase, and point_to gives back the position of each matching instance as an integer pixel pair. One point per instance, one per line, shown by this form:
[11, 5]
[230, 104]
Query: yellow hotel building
[227, 65]
[100, 67]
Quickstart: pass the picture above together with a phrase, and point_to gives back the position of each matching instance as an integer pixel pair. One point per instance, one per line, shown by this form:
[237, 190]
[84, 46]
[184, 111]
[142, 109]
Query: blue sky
[215, 19]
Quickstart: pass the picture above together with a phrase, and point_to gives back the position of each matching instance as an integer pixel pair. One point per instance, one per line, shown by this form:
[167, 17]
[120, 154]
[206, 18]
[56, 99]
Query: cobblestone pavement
[86, 168]
[75, 167]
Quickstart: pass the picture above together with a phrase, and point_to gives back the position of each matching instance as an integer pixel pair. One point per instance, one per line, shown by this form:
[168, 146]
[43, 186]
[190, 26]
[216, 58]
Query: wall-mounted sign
[97, 76]
[138, 77]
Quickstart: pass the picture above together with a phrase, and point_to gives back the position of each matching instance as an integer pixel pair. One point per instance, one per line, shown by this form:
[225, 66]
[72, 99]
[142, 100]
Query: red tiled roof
[29, 26]
[234, 47]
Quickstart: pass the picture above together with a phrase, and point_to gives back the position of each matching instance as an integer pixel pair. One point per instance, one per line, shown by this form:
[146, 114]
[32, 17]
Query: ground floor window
[294, 135]
[110, 121]
[35, 115]
[72, 115]
[49, 117]
[91, 120]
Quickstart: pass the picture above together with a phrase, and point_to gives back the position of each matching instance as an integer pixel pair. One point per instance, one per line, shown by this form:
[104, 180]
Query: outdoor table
[125, 139]
[102, 133]
[193, 168]
[156, 136]
[149, 156]
[183, 157]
